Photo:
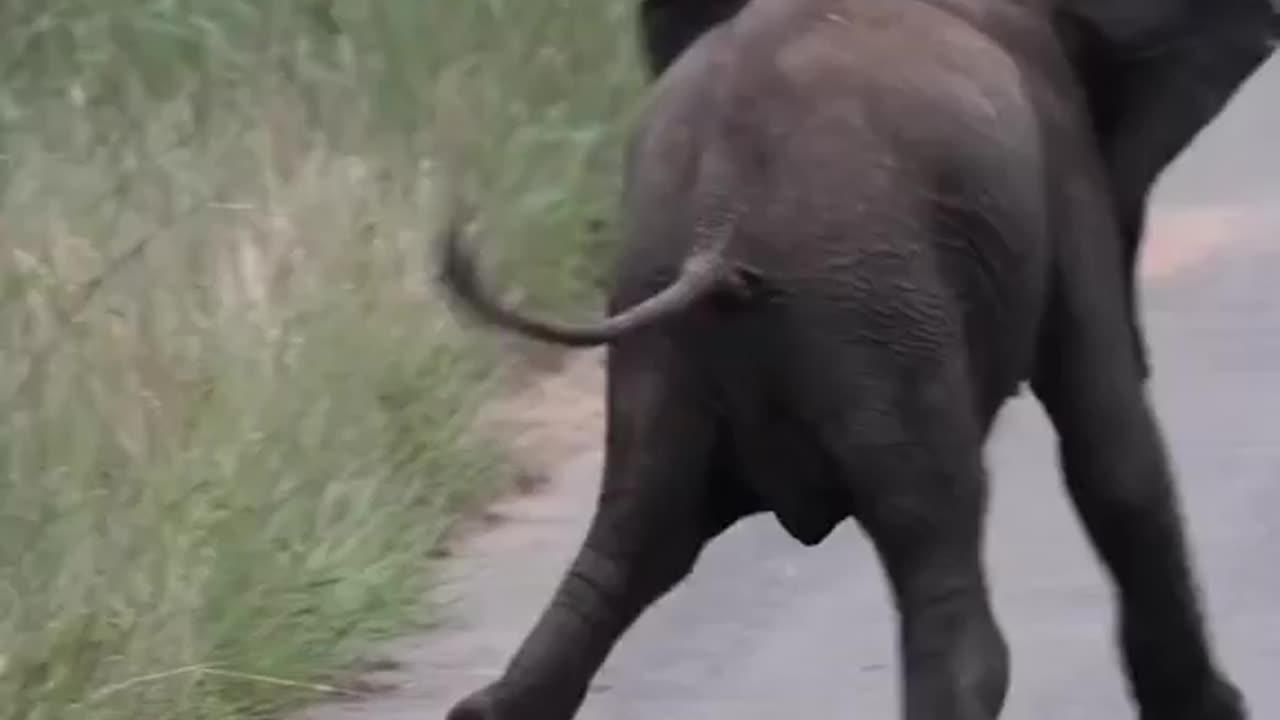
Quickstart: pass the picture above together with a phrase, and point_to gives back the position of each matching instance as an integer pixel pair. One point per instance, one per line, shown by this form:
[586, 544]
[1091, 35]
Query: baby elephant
[853, 229]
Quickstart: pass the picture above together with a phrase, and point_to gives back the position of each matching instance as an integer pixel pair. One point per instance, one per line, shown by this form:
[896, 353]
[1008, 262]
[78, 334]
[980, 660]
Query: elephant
[843, 250]
[1155, 72]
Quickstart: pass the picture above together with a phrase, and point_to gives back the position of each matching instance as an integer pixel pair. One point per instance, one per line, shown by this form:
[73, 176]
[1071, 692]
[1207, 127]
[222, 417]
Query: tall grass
[236, 420]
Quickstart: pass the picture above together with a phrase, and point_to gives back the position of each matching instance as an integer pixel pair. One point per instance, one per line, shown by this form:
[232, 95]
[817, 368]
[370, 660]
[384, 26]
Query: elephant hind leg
[657, 509]
[914, 467]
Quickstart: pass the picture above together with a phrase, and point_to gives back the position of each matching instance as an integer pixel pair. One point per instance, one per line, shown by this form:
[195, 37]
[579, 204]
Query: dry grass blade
[105, 692]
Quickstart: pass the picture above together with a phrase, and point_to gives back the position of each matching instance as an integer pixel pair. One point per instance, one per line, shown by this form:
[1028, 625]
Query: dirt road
[768, 629]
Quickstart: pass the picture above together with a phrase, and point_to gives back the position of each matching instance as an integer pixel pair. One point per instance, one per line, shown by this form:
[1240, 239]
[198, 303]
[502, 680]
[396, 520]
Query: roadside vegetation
[237, 420]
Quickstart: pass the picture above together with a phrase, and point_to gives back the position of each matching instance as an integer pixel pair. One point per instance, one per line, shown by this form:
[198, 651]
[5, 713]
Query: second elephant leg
[922, 500]
[1118, 475]
[652, 520]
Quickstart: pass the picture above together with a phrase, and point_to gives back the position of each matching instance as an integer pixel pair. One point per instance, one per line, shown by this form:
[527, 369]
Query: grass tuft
[237, 418]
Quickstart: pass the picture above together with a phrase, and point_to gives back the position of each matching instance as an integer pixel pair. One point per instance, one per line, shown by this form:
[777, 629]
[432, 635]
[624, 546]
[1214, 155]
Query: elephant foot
[501, 701]
[479, 705]
[1219, 700]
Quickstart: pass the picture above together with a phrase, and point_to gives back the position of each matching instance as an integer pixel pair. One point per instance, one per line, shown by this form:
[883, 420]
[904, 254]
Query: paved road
[767, 629]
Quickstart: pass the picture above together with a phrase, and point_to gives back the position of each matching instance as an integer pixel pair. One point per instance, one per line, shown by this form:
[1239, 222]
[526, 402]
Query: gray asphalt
[768, 629]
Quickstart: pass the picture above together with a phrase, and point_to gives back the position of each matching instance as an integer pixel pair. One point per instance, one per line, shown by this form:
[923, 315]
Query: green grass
[237, 419]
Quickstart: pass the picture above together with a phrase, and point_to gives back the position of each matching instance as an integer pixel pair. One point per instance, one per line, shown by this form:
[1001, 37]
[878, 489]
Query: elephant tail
[705, 272]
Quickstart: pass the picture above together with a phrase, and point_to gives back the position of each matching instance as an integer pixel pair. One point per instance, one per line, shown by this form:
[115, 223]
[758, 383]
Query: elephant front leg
[651, 522]
[1117, 471]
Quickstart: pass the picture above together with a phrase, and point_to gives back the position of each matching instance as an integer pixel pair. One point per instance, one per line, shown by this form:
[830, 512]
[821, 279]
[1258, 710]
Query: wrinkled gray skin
[852, 229]
[1156, 73]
